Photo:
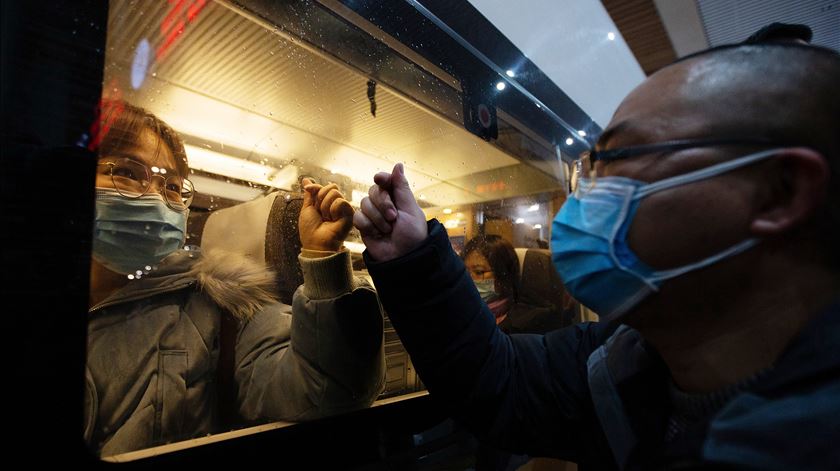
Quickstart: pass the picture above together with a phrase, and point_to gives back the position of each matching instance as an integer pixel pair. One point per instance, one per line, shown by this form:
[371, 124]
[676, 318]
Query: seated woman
[172, 331]
[494, 267]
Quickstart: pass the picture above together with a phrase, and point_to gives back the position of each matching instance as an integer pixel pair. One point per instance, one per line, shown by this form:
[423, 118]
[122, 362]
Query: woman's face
[150, 151]
[478, 267]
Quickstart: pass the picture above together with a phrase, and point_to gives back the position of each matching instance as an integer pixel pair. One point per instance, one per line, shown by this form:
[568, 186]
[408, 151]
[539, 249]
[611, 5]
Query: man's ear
[797, 185]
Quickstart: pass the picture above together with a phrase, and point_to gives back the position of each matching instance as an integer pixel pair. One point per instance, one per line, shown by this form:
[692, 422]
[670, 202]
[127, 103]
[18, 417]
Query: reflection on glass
[213, 119]
[508, 290]
[184, 343]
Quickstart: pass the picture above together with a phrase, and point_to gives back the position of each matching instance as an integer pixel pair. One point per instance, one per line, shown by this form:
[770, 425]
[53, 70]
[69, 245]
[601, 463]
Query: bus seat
[264, 229]
[539, 283]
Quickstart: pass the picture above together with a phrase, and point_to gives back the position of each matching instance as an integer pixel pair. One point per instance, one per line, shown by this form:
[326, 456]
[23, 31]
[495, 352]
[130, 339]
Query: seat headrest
[265, 230]
[539, 281]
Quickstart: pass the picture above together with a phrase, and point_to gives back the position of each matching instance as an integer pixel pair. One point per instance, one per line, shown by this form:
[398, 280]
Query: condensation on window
[262, 101]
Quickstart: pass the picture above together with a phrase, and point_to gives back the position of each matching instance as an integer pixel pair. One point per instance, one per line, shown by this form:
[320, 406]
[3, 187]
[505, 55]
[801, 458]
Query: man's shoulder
[788, 420]
[794, 427]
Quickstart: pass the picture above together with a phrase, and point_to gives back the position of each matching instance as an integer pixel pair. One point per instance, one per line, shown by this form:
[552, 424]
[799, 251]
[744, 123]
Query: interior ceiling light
[223, 164]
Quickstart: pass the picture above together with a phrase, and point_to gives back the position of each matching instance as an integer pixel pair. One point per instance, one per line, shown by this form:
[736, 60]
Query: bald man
[705, 232]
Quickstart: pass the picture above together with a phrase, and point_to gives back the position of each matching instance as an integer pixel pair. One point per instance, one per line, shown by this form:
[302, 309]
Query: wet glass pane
[214, 115]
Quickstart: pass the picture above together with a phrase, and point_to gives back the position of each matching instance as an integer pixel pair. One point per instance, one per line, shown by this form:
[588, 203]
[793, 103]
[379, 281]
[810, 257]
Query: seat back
[540, 284]
[265, 230]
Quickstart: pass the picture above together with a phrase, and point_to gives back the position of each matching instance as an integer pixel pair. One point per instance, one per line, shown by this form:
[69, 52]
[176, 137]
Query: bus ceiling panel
[330, 35]
[234, 39]
[462, 41]
[230, 82]
[432, 149]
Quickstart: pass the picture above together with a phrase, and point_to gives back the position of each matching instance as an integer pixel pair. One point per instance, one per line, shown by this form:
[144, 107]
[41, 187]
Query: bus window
[216, 114]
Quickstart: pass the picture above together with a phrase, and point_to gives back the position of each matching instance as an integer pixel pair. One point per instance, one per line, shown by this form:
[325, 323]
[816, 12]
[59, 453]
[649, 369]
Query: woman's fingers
[326, 202]
[341, 210]
[310, 190]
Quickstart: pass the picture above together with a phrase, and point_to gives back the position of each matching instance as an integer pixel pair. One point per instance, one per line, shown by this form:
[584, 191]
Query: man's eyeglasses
[133, 179]
[584, 166]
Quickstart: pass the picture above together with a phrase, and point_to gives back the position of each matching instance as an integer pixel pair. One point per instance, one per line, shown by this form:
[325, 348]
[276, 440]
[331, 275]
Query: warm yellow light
[222, 164]
[355, 247]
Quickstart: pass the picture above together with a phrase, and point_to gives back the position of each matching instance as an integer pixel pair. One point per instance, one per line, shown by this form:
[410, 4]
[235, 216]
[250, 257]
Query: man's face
[688, 223]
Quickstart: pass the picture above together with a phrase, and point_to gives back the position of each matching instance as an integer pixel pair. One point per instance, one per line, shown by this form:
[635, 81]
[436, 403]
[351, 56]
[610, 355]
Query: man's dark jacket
[595, 393]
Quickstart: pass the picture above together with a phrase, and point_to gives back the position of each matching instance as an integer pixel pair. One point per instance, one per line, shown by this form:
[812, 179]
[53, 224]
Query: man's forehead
[660, 108]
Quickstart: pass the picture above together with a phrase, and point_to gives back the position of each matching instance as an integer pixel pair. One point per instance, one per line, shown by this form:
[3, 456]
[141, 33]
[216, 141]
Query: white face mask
[487, 290]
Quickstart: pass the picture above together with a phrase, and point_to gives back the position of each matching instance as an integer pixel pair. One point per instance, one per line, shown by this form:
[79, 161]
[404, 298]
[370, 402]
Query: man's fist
[325, 218]
[390, 221]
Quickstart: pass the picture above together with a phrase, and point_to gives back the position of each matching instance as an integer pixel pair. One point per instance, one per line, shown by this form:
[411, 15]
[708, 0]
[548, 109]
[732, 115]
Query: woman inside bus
[494, 267]
[171, 330]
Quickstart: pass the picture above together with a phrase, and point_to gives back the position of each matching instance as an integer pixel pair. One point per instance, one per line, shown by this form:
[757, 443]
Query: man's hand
[325, 218]
[390, 221]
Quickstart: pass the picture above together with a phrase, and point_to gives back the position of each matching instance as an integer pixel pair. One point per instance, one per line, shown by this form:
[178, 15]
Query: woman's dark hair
[122, 124]
[502, 259]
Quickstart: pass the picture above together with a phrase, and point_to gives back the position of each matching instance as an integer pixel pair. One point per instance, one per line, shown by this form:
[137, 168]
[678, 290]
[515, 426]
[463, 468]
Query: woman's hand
[325, 218]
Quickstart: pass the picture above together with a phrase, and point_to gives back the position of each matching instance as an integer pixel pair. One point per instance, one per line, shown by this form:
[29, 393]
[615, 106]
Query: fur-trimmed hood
[239, 285]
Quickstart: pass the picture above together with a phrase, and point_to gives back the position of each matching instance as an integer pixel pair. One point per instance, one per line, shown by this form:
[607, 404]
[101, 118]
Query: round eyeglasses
[133, 179]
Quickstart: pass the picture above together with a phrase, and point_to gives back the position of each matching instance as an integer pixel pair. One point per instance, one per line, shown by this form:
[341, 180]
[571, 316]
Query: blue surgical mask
[487, 290]
[589, 240]
[132, 233]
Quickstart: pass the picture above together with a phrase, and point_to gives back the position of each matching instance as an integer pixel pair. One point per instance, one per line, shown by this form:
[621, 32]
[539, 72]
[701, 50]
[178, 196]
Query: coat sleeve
[530, 319]
[525, 393]
[324, 358]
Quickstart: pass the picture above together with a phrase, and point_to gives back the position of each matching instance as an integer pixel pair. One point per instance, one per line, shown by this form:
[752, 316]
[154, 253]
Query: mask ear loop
[712, 171]
[705, 173]
[734, 250]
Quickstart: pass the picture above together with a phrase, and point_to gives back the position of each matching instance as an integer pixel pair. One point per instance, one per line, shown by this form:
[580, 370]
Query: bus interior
[266, 93]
